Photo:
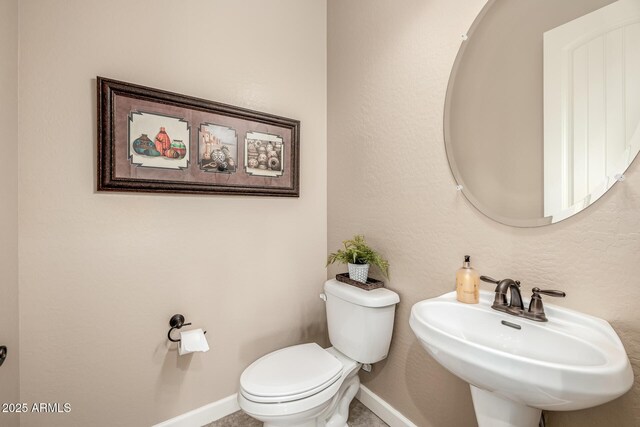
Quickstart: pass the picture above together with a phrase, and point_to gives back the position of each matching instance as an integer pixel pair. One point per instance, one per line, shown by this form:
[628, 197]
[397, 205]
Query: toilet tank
[360, 322]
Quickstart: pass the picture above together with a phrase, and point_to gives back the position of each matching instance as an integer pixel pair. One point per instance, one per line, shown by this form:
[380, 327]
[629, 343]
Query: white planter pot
[359, 272]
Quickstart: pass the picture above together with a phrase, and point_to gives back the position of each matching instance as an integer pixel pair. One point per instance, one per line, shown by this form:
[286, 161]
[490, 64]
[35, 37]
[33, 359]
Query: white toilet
[308, 386]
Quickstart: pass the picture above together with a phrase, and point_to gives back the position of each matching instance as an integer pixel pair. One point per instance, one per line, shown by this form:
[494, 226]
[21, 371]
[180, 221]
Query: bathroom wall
[388, 177]
[101, 274]
[9, 372]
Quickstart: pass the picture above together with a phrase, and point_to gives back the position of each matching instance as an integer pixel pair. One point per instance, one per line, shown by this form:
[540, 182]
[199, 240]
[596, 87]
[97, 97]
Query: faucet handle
[551, 293]
[497, 282]
[536, 309]
[489, 279]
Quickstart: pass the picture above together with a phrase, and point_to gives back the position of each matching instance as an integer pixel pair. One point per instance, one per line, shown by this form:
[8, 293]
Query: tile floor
[359, 416]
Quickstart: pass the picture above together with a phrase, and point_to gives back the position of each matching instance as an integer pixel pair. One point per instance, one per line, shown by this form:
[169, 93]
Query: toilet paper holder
[176, 322]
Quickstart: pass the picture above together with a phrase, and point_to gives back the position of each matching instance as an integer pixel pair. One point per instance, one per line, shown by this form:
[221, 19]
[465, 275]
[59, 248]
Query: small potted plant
[358, 256]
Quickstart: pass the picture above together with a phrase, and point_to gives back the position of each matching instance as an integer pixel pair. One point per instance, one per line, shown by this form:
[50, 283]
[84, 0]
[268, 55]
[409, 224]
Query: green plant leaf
[356, 251]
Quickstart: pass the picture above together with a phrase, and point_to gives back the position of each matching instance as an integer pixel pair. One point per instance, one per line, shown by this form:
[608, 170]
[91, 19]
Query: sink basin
[517, 367]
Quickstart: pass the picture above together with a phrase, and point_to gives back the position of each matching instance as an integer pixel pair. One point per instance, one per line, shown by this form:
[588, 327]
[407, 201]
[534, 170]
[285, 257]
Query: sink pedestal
[496, 411]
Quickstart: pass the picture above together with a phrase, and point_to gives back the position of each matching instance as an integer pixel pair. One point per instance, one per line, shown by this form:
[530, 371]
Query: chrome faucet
[500, 302]
[514, 305]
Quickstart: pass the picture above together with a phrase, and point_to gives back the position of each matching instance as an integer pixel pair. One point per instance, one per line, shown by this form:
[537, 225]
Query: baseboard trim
[205, 414]
[382, 409]
[214, 411]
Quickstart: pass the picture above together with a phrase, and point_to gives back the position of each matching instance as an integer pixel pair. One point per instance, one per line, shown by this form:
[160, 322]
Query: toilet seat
[290, 374]
[291, 412]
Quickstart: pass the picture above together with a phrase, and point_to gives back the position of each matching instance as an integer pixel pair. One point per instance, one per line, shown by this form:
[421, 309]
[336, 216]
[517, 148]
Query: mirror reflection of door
[591, 105]
[516, 163]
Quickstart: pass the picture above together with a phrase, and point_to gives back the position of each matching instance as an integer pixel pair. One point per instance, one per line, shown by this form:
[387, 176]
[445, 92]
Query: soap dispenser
[467, 283]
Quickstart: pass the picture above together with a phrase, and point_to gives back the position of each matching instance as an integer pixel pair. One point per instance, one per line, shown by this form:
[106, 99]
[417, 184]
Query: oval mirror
[543, 106]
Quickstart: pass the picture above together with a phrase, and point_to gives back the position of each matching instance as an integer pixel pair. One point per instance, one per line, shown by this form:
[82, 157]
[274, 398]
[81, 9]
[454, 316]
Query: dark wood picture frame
[262, 160]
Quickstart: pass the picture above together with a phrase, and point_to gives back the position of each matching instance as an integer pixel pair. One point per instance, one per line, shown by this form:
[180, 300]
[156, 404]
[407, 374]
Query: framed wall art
[150, 140]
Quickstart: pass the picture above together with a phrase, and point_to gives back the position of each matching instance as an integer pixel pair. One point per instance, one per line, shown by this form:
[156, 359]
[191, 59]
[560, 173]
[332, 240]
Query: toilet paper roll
[192, 341]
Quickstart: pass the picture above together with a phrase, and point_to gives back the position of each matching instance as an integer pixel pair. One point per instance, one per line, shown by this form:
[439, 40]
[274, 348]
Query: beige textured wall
[100, 274]
[9, 372]
[388, 178]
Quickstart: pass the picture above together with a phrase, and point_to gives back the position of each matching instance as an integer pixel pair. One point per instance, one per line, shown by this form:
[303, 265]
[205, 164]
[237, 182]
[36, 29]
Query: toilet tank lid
[380, 297]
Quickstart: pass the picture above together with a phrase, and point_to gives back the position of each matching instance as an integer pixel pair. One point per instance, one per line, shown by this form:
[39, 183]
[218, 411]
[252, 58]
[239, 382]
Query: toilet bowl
[308, 386]
[300, 386]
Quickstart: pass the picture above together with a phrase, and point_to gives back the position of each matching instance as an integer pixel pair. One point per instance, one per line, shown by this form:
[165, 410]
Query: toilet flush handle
[323, 297]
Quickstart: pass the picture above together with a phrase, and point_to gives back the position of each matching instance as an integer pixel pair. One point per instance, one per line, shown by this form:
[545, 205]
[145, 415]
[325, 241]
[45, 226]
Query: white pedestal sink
[515, 370]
